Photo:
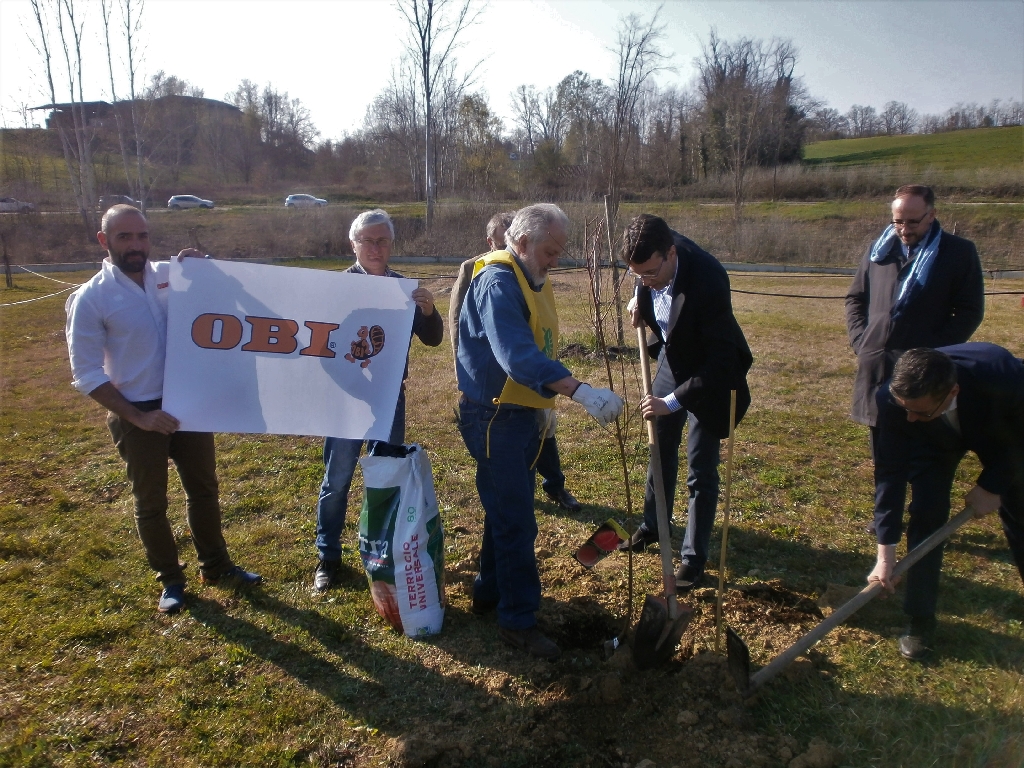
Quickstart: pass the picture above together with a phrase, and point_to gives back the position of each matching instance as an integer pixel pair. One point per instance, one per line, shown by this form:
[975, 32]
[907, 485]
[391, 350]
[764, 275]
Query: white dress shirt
[117, 331]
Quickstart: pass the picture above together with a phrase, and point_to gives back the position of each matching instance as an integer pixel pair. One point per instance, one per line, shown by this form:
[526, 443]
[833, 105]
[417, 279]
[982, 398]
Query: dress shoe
[532, 641]
[687, 578]
[482, 607]
[565, 500]
[326, 574]
[236, 575]
[916, 643]
[172, 599]
[640, 540]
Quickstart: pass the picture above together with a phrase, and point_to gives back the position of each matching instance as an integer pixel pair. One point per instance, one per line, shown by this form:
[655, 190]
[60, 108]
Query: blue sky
[336, 55]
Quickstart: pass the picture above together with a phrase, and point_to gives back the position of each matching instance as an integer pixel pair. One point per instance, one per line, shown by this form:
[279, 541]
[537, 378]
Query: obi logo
[369, 343]
[269, 334]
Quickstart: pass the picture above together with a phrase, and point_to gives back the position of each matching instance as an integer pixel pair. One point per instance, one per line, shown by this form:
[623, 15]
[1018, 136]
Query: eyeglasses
[381, 243]
[909, 222]
[922, 414]
[648, 275]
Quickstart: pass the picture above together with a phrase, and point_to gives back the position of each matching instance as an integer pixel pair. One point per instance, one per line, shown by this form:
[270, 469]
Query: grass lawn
[90, 674]
[955, 150]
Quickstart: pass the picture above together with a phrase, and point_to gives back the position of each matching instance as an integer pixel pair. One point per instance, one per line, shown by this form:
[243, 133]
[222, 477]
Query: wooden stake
[725, 522]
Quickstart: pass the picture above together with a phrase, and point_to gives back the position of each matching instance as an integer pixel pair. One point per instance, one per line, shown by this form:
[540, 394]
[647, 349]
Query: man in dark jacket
[917, 286]
[939, 404]
[683, 297]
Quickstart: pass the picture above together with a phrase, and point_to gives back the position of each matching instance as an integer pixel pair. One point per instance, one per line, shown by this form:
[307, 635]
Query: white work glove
[603, 404]
[882, 572]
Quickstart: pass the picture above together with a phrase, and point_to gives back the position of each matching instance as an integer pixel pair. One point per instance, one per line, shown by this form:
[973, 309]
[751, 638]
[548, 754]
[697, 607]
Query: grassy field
[955, 150]
[91, 675]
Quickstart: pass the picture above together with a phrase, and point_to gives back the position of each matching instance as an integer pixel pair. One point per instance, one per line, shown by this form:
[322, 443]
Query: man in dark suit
[939, 404]
[683, 297]
[917, 286]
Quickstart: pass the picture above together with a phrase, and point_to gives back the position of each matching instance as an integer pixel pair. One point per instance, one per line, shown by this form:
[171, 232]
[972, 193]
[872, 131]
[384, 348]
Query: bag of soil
[401, 539]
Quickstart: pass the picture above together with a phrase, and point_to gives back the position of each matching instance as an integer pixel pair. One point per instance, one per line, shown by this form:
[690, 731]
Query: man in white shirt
[117, 333]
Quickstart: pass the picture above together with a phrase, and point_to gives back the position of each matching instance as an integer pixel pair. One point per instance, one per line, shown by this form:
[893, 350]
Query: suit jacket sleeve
[892, 449]
[429, 328]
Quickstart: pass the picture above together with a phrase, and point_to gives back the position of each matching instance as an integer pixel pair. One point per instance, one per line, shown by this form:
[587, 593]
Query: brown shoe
[532, 641]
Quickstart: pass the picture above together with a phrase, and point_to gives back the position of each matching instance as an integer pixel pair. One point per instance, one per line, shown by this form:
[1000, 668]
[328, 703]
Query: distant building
[99, 114]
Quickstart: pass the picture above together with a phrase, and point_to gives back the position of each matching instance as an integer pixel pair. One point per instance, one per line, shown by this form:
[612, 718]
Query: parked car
[10, 205]
[304, 201]
[188, 201]
[106, 201]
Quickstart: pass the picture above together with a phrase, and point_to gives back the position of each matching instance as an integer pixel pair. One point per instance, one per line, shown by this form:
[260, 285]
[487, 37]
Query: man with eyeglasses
[917, 286]
[684, 299]
[939, 404]
[372, 235]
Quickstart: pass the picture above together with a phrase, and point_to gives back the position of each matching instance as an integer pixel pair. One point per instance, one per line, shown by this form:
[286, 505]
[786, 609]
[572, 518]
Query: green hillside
[978, 148]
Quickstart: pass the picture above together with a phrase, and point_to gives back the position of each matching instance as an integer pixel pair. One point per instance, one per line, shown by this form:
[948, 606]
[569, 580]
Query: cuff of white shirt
[672, 403]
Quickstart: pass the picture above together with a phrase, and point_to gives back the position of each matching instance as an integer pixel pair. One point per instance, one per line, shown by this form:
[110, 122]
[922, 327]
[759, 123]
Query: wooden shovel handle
[668, 575]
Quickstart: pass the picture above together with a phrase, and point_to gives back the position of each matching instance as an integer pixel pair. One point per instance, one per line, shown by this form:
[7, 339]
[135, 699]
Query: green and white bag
[401, 539]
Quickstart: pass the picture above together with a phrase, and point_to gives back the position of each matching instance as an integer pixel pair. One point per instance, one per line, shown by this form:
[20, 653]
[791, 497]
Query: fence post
[7, 264]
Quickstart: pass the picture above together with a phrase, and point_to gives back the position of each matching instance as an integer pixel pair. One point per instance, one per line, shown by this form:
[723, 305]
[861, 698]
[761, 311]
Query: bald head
[114, 212]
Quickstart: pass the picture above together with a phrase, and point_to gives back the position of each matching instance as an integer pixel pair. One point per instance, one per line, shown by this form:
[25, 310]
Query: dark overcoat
[947, 311]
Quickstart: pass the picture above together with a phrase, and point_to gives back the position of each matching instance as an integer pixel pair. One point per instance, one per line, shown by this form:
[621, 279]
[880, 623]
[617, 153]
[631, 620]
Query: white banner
[282, 350]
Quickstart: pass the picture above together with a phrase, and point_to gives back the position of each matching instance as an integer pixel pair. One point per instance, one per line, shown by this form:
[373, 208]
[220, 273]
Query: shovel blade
[656, 636]
[739, 659]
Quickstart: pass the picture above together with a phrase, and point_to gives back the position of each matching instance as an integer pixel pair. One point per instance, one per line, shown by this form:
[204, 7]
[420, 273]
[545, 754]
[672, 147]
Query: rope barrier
[38, 298]
[62, 282]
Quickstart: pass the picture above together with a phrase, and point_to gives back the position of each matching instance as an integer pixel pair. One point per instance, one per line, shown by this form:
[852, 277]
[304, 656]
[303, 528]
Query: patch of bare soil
[588, 711]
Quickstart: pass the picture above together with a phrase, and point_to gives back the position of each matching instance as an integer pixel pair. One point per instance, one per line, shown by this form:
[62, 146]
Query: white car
[10, 205]
[304, 201]
[188, 201]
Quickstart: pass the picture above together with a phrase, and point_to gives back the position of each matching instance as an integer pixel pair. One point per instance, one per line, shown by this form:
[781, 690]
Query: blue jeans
[702, 458]
[549, 465]
[508, 567]
[340, 458]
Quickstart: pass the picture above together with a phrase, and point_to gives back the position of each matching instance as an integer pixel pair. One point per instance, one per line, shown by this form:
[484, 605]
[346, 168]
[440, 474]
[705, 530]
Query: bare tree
[395, 118]
[131, 13]
[639, 58]
[71, 33]
[434, 29]
[863, 121]
[41, 11]
[525, 106]
[898, 118]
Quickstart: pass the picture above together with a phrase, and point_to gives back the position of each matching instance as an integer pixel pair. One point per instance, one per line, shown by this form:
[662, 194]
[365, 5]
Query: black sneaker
[326, 574]
[532, 641]
[916, 644]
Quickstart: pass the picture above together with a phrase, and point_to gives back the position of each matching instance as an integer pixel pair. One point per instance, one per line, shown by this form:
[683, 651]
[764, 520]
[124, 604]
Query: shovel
[739, 654]
[662, 620]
